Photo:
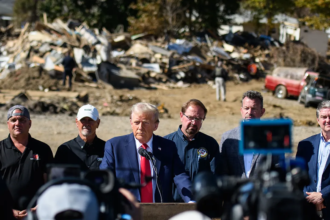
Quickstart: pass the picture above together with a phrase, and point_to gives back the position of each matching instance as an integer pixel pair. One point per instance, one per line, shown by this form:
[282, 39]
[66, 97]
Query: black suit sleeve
[222, 166]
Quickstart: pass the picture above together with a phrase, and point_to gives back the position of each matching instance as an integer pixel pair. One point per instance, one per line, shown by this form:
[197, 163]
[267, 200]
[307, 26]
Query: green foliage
[315, 13]
[96, 13]
[268, 9]
[26, 10]
[158, 16]
[209, 14]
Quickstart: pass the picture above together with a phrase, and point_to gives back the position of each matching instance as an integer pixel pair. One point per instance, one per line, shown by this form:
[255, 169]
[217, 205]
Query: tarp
[180, 48]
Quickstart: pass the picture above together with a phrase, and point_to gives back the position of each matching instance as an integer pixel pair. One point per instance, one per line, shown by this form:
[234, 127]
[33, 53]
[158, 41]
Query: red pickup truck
[287, 81]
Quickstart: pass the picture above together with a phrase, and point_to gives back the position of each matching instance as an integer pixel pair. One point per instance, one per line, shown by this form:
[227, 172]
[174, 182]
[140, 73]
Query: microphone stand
[152, 159]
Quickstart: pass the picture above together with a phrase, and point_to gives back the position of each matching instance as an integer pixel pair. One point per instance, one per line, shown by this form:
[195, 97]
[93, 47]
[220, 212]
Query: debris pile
[32, 60]
[297, 54]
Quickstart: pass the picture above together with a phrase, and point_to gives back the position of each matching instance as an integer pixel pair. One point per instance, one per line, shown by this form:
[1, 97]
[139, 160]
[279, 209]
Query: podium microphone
[144, 153]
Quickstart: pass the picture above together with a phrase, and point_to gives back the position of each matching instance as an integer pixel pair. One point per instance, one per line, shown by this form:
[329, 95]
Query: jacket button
[314, 181]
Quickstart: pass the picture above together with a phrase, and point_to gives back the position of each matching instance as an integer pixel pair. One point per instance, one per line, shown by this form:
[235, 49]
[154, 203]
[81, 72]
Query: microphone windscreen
[143, 152]
[140, 151]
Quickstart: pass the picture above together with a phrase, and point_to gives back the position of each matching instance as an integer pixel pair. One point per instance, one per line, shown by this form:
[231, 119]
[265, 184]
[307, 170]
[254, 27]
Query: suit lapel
[317, 143]
[157, 150]
[241, 157]
[132, 157]
[254, 161]
[241, 161]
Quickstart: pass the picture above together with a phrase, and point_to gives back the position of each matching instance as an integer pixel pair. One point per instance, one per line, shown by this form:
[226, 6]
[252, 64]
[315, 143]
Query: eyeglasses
[194, 119]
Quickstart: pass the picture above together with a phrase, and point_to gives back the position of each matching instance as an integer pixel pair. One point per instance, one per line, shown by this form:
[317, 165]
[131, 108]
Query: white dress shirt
[149, 149]
[247, 164]
[324, 149]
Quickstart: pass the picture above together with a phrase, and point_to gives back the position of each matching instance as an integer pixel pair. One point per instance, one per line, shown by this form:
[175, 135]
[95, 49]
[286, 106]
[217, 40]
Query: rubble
[32, 60]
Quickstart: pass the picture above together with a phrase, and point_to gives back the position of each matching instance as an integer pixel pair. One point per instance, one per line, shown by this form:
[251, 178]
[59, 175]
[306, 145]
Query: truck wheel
[280, 92]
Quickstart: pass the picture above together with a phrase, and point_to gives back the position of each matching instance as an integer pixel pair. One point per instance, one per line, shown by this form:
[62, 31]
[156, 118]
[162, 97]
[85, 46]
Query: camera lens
[98, 180]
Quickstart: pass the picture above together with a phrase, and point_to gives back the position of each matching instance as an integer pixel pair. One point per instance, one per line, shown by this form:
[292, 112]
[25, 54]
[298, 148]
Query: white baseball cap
[88, 111]
[64, 197]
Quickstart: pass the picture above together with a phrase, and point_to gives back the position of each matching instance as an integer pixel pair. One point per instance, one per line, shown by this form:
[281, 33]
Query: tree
[96, 13]
[155, 16]
[210, 14]
[268, 9]
[314, 13]
[149, 17]
[26, 10]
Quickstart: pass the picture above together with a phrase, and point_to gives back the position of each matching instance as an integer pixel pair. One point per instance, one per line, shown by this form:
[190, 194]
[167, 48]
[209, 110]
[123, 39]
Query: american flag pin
[35, 157]
[159, 148]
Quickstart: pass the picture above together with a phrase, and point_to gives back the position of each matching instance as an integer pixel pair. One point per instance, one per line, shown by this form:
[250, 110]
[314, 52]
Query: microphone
[149, 156]
[144, 153]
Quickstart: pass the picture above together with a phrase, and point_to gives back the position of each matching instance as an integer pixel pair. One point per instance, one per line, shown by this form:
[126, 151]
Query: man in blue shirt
[197, 151]
[315, 151]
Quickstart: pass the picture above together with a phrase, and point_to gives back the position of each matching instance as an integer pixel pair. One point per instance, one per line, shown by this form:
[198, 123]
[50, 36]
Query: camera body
[102, 182]
[275, 191]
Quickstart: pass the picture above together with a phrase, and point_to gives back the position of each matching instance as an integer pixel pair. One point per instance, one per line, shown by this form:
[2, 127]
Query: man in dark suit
[121, 156]
[315, 151]
[233, 164]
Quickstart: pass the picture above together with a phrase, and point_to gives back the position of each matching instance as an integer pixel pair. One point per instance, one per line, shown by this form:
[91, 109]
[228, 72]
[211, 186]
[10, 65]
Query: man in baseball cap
[23, 160]
[86, 149]
[68, 201]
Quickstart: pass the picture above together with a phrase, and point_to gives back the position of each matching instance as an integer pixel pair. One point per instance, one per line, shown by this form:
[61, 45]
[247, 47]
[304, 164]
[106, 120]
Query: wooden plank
[164, 211]
[45, 18]
[39, 60]
[20, 38]
[183, 66]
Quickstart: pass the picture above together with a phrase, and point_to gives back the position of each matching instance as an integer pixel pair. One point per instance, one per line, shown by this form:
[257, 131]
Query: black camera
[101, 182]
[273, 192]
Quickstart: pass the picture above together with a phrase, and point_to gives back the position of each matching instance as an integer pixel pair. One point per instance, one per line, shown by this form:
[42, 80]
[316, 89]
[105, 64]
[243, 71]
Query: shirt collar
[183, 137]
[149, 143]
[10, 144]
[82, 143]
[323, 140]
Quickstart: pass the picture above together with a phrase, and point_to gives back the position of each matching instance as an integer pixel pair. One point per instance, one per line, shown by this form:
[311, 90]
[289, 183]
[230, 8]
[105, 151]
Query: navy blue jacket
[120, 156]
[69, 63]
[308, 149]
[199, 155]
[189, 152]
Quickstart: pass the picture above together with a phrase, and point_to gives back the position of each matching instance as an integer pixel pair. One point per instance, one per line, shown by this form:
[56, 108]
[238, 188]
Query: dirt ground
[221, 117]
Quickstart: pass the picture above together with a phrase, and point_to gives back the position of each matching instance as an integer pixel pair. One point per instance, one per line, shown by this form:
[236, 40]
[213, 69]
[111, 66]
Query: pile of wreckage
[125, 61]
[32, 61]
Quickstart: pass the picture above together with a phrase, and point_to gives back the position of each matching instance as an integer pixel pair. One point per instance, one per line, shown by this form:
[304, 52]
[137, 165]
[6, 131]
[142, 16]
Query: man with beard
[86, 150]
[197, 151]
[232, 163]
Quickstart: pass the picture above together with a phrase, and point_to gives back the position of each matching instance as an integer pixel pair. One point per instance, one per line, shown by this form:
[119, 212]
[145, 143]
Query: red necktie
[146, 191]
